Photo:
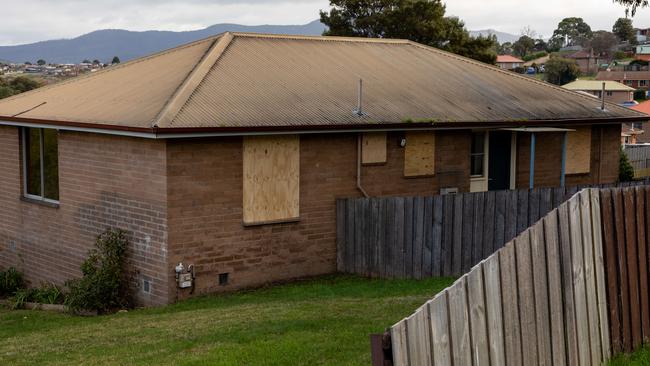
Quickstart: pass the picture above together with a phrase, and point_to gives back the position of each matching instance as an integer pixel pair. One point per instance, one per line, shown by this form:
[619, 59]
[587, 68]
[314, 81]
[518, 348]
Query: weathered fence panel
[540, 300]
[625, 224]
[416, 237]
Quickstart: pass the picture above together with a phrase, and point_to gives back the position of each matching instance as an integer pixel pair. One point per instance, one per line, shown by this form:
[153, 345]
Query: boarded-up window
[578, 157]
[419, 155]
[271, 179]
[373, 148]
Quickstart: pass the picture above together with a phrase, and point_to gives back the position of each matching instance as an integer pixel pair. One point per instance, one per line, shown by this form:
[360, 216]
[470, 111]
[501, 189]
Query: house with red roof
[508, 62]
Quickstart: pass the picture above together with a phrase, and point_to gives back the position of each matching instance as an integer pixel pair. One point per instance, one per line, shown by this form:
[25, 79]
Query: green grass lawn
[324, 321]
[640, 358]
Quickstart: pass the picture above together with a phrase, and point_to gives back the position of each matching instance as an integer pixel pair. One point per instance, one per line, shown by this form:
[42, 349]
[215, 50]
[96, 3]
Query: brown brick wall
[548, 161]
[105, 181]
[205, 205]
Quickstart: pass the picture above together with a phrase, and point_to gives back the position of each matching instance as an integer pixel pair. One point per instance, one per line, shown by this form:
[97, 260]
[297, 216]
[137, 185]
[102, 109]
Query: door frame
[480, 184]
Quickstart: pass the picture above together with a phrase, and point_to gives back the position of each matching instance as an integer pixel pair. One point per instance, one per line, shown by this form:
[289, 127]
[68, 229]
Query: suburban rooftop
[242, 82]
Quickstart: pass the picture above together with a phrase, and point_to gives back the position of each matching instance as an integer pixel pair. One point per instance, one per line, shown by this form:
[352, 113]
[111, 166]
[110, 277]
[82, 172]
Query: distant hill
[104, 44]
[501, 36]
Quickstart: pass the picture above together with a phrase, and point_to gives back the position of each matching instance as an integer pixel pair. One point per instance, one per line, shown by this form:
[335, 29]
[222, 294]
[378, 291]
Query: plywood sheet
[271, 179]
[419, 154]
[579, 151]
[373, 149]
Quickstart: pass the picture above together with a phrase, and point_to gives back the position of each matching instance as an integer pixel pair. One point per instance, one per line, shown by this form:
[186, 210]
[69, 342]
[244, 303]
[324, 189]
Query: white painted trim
[513, 161]
[42, 198]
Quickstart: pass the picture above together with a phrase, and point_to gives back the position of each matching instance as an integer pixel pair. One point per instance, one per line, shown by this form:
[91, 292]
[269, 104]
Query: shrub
[640, 94]
[625, 170]
[46, 294]
[11, 281]
[103, 286]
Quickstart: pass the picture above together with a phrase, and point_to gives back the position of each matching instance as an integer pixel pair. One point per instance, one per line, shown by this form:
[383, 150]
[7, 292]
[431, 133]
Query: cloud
[37, 20]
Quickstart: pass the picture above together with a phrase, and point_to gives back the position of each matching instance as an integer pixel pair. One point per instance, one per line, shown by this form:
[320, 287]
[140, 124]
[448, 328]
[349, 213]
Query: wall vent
[223, 279]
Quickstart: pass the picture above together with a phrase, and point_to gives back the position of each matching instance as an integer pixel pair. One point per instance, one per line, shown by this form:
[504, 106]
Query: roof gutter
[174, 133]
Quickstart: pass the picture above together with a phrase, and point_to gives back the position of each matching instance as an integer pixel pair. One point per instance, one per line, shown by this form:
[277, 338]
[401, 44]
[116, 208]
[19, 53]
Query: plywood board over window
[579, 151]
[271, 179]
[373, 148]
[419, 154]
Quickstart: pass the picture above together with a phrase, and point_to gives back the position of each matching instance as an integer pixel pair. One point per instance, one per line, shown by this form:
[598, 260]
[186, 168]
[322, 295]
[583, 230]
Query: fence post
[381, 349]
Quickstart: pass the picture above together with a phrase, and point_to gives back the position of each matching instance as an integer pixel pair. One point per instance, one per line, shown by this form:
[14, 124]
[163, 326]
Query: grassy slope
[640, 358]
[318, 322]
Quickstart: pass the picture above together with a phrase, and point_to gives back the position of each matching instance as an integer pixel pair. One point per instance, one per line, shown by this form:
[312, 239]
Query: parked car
[531, 71]
[629, 104]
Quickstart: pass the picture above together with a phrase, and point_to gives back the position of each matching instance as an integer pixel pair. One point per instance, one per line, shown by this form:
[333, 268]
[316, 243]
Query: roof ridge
[109, 69]
[185, 90]
[322, 38]
[513, 74]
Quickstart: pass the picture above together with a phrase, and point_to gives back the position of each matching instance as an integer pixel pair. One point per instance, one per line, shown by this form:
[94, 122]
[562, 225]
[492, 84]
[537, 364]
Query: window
[643, 82]
[419, 154]
[41, 164]
[477, 155]
[629, 82]
[271, 179]
[374, 148]
[579, 151]
[609, 93]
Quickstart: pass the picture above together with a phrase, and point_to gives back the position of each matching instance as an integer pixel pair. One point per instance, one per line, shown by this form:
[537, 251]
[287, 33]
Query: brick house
[227, 154]
[508, 62]
[588, 62]
[615, 92]
[634, 79]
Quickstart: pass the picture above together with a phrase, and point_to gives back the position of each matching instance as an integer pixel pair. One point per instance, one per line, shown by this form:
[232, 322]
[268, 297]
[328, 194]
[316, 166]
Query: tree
[631, 6]
[28, 63]
[540, 45]
[505, 49]
[523, 46]
[624, 30]
[96, 62]
[41, 62]
[603, 42]
[23, 84]
[560, 71]
[625, 169]
[421, 21]
[116, 60]
[571, 31]
[86, 61]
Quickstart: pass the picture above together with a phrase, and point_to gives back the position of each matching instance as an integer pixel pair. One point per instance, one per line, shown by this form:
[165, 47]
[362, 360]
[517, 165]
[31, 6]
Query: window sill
[39, 202]
[275, 222]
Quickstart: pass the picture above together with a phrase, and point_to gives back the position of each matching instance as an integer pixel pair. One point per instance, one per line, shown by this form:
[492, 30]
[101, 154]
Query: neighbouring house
[634, 79]
[641, 138]
[540, 61]
[642, 35]
[643, 52]
[588, 62]
[631, 134]
[508, 62]
[615, 92]
[228, 154]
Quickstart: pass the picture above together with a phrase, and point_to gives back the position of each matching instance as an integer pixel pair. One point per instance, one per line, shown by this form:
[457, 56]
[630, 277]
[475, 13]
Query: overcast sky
[37, 20]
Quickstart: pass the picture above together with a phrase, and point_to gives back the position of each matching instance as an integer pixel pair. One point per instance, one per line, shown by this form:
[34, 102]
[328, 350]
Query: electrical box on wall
[184, 277]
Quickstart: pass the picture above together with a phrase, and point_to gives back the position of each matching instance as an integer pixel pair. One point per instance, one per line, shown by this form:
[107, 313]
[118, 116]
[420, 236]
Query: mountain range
[104, 44]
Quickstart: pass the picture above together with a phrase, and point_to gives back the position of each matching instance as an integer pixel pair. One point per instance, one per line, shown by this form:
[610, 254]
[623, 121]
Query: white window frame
[33, 197]
[485, 155]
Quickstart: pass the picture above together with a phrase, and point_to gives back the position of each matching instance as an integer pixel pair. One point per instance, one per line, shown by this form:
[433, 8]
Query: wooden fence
[626, 223]
[419, 237]
[539, 300]
[639, 157]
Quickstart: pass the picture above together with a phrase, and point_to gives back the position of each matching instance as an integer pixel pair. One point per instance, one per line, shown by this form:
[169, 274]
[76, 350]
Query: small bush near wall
[625, 170]
[103, 287]
[11, 281]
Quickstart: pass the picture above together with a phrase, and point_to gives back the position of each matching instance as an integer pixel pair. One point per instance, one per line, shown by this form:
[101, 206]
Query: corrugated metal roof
[642, 107]
[262, 81]
[597, 85]
[623, 75]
